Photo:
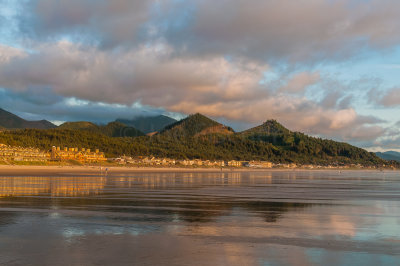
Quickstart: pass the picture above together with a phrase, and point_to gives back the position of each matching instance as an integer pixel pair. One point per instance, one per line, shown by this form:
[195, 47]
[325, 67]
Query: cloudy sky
[329, 68]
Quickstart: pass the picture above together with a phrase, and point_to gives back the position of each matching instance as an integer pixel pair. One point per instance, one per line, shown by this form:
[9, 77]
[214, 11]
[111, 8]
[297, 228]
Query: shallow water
[249, 218]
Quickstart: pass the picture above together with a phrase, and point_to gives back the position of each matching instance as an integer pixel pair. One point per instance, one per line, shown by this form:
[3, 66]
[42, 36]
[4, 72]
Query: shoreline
[60, 170]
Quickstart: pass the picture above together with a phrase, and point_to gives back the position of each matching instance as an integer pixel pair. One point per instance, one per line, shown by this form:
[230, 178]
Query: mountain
[113, 129]
[389, 155]
[149, 124]
[117, 129]
[81, 125]
[188, 139]
[11, 121]
[303, 148]
[270, 127]
[196, 125]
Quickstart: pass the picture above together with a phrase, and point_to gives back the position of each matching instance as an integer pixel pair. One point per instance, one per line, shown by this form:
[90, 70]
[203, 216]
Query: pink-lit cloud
[152, 76]
[205, 56]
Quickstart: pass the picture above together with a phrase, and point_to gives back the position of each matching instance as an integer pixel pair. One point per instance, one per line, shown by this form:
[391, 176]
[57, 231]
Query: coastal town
[10, 154]
[18, 155]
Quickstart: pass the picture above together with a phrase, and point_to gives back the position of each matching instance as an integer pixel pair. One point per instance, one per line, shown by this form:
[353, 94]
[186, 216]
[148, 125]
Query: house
[21, 154]
[234, 163]
[82, 155]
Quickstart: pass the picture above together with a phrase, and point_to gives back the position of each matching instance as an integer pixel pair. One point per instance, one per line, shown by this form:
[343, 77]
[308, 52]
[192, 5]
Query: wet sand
[201, 218]
[19, 170]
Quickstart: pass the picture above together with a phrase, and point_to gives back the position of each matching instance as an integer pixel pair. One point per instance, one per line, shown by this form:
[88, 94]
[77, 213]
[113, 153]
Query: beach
[54, 170]
[79, 216]
[60, 170]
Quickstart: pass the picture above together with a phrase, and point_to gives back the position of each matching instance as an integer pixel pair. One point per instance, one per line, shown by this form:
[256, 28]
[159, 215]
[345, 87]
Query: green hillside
[270, 127]
[303, 148]
[117, 129]
[82, 125]
[194, 126]
[113, 129]
[192, 138]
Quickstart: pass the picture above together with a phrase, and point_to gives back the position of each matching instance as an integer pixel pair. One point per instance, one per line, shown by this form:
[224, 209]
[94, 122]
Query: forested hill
[270, 127]
[200, 137]
[113, 129]
[304, 148]
[81, 125]
[12, 121]
[194, 126]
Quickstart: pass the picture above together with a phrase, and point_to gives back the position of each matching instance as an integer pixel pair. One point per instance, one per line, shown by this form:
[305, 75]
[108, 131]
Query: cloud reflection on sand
[287, 218]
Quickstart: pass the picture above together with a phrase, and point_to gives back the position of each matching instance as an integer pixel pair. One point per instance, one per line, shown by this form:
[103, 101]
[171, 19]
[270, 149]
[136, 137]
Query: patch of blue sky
[75, 102]
[384, 66]
[8, 22]
[269, 77]
[379, 71]
[173, 20]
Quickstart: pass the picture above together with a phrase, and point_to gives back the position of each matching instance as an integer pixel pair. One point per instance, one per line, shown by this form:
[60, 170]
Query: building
[187, 162]
[21, 154]
[81, 155]
[234, 163]
[260, 164]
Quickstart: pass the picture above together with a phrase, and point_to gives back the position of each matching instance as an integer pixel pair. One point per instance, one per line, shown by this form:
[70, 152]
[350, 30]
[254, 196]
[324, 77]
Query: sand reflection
[54, 186]
[282, 218]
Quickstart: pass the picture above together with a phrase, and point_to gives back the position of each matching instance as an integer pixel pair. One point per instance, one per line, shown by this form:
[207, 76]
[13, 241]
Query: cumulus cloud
[297, 114]
[110, 23]
[198, 56]
[300, 81]
[153, 76]
[149, 74]
[269, 30]
[388, 140]
[390, 98]
[283, 30]
[7, 53]
[53, 107]
[386, 143]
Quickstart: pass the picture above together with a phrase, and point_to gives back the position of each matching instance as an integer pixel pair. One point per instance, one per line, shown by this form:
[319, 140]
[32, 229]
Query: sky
[329, 68]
